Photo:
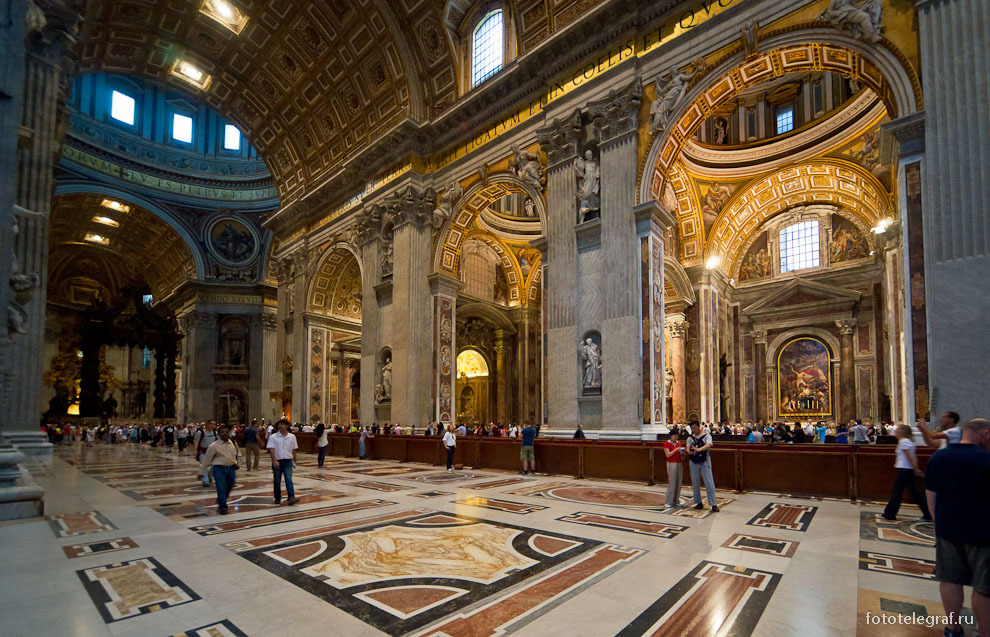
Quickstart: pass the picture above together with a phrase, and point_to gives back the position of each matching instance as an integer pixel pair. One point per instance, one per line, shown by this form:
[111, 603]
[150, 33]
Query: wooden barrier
[830, 470]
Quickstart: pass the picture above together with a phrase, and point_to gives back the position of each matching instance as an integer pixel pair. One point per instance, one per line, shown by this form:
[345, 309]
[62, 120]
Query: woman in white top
[450, 442]
[321, 444]
[906, 465]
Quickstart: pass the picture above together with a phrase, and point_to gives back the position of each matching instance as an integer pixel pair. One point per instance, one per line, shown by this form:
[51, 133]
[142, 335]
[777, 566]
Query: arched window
[486, 48]
[800, 246]
[478, 263]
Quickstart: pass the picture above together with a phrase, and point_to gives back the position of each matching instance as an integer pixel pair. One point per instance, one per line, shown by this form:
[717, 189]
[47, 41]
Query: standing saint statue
[592, 359]
[387, 380]
[589, 184]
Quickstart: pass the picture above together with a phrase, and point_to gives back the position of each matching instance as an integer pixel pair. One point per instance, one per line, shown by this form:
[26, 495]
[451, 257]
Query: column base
[33, 444]
[20, 496]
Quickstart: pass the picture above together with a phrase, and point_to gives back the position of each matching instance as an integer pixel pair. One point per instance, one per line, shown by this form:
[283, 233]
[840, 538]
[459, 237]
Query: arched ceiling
[307, 82]
[142, 248]
[337, 285]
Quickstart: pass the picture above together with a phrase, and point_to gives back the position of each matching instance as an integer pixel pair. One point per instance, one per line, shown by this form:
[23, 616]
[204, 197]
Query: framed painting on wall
[804, 379]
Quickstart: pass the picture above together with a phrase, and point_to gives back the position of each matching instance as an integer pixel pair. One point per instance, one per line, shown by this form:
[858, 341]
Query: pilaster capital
[760, 337]
[196, 319]
[560, 139]
[909, 131]
[412, 206]
[655, 213]
[618, 113]
[846, 326]
[677, 324]
[444, 285]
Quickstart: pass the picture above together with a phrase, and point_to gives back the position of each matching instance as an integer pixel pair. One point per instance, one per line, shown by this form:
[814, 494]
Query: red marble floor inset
[71, 524]
[789, 517]
[286, 515]
[551, 546]
[94, 548]
[764, 545]
[500, 505]
[377, 486]
[383, 471]
[206, 507]
[407, 601]
[152, 492]
[897, 565]
[643, 527]
[490, 618]
[619, 497]
[497, 483]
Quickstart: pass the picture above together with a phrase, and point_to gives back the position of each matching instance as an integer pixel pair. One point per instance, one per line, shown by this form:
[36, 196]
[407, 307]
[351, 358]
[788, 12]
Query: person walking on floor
[906, 464]
[673, 449]
[956, 480]
[202, 440]
[321, 444]
[251, 447]
[221, 458]
[450, 443]
[282, 446]
[527, 452]
[181, 436]
[698, 449]
[363, 439]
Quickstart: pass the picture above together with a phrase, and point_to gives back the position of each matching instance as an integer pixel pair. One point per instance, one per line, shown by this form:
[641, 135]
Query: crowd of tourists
[856, 431]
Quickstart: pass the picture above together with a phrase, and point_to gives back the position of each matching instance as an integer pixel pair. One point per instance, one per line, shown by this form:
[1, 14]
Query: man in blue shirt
[956, 482]
[527, 452]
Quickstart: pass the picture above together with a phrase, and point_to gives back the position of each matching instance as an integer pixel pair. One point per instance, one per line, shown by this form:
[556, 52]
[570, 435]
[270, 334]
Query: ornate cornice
[560, 140]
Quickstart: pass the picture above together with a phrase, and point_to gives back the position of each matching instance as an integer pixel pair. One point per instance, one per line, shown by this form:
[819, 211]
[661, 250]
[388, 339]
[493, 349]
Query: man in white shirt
[282, 447]
[859, 432]
[699, 445]
[950, 434]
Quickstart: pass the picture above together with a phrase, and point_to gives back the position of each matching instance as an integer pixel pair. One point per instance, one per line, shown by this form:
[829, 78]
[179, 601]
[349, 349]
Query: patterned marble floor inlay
[897, 565]
[741, 595]
[378, 486]
[278, 538]
[72, 524]
[225, 628]
[498, 483]
[618, 497]
[429, 494]
[895, 615]
[324, 477]
[206, 507]
[95, 548]
[915, 532]
[520, 508]
[402, 575]
[537, 597]
[789, 517]
[135, 587]
[449, 476]
[765, 545]
[655, 529]
[388, 471]
[151, 492]
[287, 516]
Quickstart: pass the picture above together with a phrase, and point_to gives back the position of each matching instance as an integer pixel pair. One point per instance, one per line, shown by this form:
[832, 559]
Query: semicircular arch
[878, 67]
[337, 284]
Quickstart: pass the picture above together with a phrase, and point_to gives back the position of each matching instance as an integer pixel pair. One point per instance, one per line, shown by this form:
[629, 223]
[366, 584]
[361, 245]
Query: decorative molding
[847, 327]
[618, 114]
[560, 140]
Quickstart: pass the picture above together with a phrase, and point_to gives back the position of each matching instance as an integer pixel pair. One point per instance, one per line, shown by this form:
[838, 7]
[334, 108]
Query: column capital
[560, 140]
[618, 113]
[909, 131]
[677, 324]
[444, 285]
[846, 326]
[653, 212]
[760, 337]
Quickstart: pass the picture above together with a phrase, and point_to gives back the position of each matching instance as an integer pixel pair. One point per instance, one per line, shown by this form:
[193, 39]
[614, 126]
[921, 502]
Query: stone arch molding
[876, 66]
[336, 287]
[842, 184]
[773, 347]
[446, 257]
[192, 244]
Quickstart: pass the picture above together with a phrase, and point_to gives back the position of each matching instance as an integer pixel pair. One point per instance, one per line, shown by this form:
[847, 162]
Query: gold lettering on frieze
[240, 299]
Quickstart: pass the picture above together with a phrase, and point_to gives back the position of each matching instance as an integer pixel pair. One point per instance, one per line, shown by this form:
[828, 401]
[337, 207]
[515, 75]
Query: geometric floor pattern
[132, 544]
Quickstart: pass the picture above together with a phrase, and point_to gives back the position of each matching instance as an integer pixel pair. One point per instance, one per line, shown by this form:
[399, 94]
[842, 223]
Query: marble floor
[132, 545]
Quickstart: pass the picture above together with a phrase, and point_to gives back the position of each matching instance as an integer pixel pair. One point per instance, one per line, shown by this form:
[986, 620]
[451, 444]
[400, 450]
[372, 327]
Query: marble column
[38, 59]
[503, 369]
[955, 196]
[710, 300]
[367, 235]
[444, 290]
[760, 364]
[304, 266]
[270, 374]
[159, 384]
[847, 370]
[412, 343]
[616, 119]
[528, 358]
[89, 384]
[677, 325]
[560, 142]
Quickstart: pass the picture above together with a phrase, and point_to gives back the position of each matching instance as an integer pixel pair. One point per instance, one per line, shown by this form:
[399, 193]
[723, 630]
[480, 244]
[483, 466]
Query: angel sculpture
[671, 85]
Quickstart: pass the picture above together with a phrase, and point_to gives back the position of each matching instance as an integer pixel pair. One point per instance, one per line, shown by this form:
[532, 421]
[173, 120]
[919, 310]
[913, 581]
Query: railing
[829, 470]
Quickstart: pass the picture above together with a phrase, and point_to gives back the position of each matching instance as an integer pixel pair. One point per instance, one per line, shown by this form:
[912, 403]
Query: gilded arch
[879, 68]
[336, 287]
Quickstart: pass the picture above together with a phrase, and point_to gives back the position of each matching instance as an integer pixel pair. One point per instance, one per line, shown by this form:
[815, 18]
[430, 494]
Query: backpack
[698, 457]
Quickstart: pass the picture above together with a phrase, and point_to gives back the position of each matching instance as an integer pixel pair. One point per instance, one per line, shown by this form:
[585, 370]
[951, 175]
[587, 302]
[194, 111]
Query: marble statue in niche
[591, 357]
[861, 18]
[526, 166]
[387, 380]
[671, 85]
[721, 135]
[387, 260]
[669, 383]
[589, 186]
[530, 207]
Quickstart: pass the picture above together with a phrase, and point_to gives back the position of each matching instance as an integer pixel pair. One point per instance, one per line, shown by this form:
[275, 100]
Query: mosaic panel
[95, 548]
[790, 517]
[872, 526]
[765, 545]
[72, 524]
[644, 527]
[136, 587]
[897, 565]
